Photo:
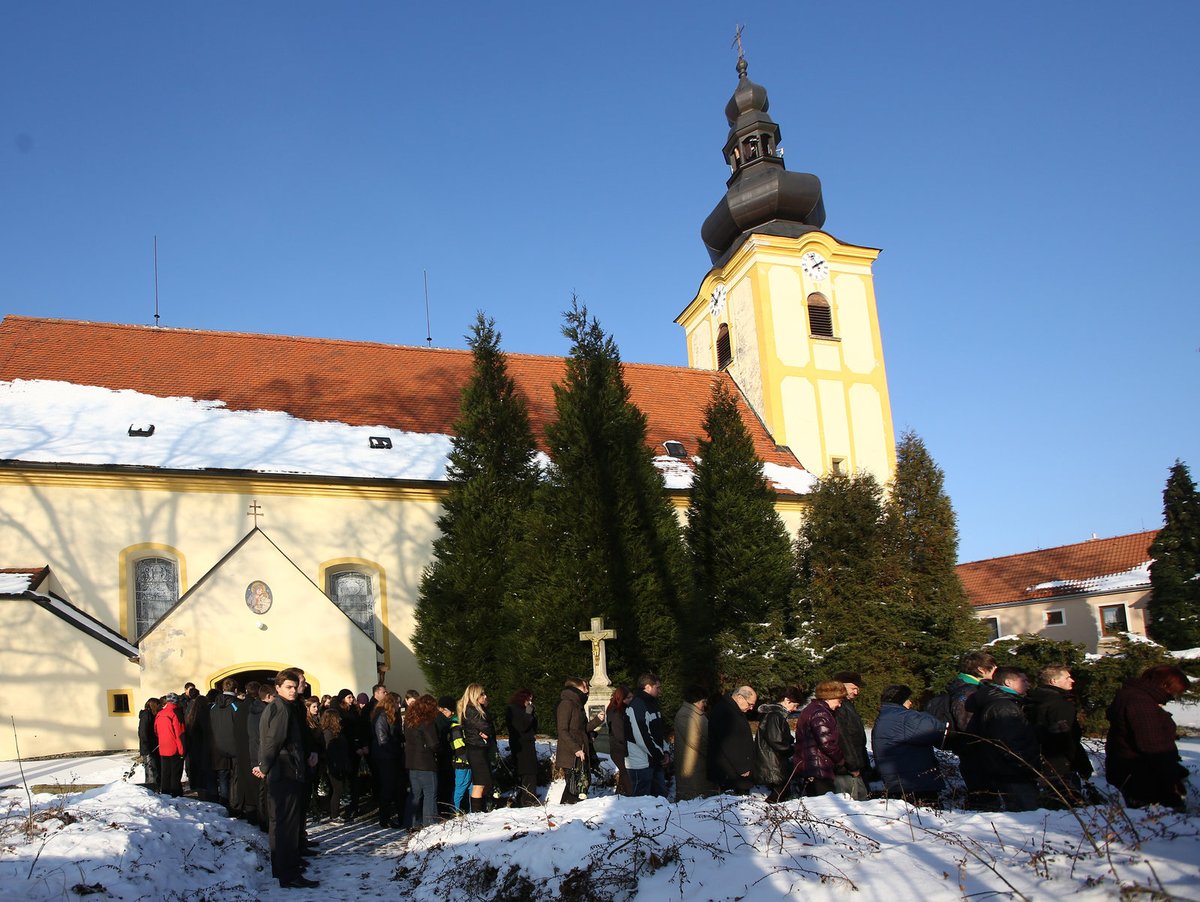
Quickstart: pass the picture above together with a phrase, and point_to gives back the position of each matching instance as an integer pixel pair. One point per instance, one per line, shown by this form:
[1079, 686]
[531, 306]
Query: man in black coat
[851, 777]
[1005, 750]
[730, 741]
[223, 742]
[284, 764]
[1054, 716]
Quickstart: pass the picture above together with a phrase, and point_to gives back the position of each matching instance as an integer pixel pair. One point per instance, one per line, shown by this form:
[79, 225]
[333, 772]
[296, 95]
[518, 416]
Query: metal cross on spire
[255, 511]
[737, 40]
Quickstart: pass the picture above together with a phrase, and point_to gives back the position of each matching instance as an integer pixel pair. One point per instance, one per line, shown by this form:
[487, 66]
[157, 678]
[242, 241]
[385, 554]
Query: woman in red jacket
[169, 729]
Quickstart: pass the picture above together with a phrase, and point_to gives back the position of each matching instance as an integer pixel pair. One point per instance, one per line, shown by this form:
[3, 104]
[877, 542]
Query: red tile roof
[358, 383]
[35, 574]
[1072, 569]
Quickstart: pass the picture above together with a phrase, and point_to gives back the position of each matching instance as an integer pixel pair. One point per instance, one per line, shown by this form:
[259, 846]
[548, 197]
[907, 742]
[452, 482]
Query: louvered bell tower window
[820, 316]
[724, 348]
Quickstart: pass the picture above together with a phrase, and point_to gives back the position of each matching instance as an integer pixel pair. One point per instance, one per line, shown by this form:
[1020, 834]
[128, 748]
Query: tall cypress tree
[742, 564]
[922, 533]
[847, 590]
[1175, 573]
[463, 612]
[608, 543]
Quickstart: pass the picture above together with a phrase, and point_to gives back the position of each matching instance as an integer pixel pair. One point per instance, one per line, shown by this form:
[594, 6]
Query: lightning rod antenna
[156, 281]
[428, 331]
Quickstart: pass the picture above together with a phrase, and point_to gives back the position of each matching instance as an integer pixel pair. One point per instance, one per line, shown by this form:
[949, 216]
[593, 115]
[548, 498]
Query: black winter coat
[338, 760]
[730, 744]
[147, 736]
[852, 736]
[522, 732]
[475, 725]
[224, 738]
[1052, 712]
[1141, 757]
[421, 747]
[1008, 752]
[387, 739]
[774, 746]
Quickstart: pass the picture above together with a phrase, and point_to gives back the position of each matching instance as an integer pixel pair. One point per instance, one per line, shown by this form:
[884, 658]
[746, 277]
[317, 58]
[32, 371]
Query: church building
[179, 504]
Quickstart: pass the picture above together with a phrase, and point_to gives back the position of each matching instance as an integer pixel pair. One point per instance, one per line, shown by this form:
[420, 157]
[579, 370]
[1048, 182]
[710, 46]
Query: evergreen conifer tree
[1175, 572]
[939, 624]
[743, 568]
[463, 613]
[608, 543]
[847, 586]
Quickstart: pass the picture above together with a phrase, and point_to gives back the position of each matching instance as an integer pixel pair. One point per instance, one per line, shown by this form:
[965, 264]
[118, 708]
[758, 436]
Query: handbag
[578, 780]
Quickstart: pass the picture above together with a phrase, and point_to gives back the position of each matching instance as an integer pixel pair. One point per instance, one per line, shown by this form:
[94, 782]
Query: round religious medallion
[258, 597]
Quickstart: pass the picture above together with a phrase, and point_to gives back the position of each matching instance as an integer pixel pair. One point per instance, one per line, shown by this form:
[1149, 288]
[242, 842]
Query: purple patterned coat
[818, 751]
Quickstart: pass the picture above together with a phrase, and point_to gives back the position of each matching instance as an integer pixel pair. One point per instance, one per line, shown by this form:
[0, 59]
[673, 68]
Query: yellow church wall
[800, 411]
[392, 526]
[853, 325]
[746, 367]
[832, 397]
[213, 632]
[819, 424]
[789, 315]
[701, 347]
[57, 683]
[871, 430]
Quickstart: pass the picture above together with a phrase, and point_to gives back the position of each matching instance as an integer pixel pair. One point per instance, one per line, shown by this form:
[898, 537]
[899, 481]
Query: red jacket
[169, 728]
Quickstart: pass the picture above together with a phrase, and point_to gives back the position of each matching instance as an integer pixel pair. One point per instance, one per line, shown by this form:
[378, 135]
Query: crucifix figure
[255, 512]
[596, 636]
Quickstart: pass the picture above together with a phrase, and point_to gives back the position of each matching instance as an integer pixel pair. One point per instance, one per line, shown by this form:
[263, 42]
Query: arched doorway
[245, 676]
[262, 671]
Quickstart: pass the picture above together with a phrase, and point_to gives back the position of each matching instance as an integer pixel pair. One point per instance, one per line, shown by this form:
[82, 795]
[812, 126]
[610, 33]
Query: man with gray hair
[730, 741]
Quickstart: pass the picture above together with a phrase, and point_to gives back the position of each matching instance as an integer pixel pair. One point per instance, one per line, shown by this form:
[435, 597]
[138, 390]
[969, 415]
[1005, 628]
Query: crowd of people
[276, 755]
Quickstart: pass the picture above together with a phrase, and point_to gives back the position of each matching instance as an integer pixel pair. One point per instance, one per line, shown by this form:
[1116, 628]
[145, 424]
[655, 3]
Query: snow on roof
[1133, 578]
[61, 422]
[15, 583]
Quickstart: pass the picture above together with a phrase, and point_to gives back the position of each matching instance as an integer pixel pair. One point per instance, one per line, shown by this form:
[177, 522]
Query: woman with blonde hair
[480, 737]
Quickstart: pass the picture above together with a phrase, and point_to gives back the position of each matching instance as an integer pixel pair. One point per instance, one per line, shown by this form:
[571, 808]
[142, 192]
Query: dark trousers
[817, 786]
[287, 821]
[237, 790]
[388, 789]
[333, 801]
[170, 775]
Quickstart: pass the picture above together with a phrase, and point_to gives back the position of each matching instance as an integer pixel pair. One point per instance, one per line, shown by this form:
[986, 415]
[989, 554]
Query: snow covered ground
[120, 841]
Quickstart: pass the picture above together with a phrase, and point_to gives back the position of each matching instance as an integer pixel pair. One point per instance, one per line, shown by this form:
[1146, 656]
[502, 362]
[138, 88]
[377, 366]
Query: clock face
[717, 304]
[815, 266]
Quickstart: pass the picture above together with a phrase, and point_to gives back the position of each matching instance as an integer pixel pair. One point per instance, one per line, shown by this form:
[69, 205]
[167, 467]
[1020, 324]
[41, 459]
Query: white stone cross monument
[601, 685]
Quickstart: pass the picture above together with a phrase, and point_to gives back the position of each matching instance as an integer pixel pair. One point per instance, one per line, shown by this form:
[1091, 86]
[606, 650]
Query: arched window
[820, 316]
[155, 591]
[724, 349]
[351, 590]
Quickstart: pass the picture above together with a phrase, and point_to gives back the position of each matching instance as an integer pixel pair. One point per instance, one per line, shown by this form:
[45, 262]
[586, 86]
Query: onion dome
[761, 196]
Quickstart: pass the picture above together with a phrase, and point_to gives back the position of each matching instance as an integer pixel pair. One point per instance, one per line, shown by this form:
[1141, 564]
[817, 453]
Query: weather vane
[255, 512]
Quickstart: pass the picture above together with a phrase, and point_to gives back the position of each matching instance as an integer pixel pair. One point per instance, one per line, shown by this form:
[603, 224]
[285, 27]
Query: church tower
[787, 309]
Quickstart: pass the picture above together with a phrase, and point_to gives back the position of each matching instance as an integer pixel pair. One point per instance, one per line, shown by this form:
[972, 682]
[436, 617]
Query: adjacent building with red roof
[1088, 592]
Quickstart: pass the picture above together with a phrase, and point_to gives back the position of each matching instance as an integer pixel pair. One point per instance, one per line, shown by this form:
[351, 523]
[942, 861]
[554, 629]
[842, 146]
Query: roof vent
[381, 441]
[141, 431]
[676, 449]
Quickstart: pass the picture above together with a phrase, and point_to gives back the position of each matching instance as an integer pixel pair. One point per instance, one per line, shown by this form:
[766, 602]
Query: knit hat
[447, 702]
[363, 698]
[831, 689]
[895, 695]
[850, 676]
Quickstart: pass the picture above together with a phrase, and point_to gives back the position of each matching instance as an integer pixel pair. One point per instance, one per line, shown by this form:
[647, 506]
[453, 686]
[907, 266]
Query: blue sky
[1028, 169]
